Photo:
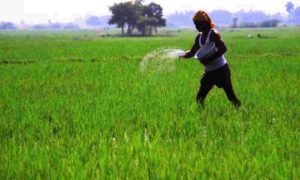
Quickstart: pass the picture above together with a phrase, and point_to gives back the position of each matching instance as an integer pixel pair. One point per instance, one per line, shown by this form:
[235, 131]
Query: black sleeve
[194, 49]
[220, 45]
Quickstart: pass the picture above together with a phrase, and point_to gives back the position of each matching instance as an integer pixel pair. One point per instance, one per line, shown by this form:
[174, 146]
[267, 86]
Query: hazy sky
[40, 11]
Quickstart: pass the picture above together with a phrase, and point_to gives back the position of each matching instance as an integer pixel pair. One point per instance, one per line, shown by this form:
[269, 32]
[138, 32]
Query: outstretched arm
[194, 49]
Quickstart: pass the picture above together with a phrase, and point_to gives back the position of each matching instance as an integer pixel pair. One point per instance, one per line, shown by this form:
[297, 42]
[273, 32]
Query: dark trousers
[221, 78]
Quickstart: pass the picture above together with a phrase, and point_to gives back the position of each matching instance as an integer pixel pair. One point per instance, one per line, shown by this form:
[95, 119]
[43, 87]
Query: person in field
[217, 70]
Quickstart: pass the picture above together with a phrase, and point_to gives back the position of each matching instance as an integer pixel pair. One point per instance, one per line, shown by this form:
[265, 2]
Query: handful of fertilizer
[160, 60]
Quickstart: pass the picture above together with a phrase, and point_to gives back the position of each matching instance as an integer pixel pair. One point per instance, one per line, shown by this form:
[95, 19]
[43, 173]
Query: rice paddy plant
[81, 108]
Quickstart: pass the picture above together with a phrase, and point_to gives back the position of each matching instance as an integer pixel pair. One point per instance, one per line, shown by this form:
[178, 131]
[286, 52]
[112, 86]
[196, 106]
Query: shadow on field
[16, 62]
[69, 60]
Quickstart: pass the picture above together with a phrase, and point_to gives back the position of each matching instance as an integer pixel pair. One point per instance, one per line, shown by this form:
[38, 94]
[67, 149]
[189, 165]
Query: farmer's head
[202, 21]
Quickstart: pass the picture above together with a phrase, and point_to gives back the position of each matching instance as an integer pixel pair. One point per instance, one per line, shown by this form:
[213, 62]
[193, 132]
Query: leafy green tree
[118, 15]
[125, 14]
[155, 13]
[144, 25]
[270, 23]
[135, 15]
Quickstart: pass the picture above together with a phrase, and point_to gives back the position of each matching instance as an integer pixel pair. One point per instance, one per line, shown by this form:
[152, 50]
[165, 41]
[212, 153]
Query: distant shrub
[39, 26]
[249, 25]
[267, 23]
[7, 26]
[270, 23]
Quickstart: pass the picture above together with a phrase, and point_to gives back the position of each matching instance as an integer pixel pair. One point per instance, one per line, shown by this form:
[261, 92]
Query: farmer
[217, 70]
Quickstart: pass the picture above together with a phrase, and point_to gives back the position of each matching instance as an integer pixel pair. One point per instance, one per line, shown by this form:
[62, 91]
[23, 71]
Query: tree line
[242, 18]
[294, 13]
[134, 15]
[147, 18]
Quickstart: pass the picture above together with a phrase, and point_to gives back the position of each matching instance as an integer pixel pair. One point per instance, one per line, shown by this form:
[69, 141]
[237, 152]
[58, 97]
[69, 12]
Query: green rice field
[74, 104]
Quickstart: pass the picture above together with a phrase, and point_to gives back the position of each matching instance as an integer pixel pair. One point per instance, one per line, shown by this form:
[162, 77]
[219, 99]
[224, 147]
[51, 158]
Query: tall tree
[235, 22]
[118, 16]
[155, 13]
[125, 14]
[289, 8]
[145, 24]
[134, 12]
[135, 15]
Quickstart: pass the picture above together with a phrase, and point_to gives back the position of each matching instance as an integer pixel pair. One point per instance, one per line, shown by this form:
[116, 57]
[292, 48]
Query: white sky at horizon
[40, 11]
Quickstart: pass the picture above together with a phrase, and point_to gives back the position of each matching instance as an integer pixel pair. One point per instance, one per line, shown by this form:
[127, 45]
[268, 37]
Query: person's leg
[231, 95]
[205, 87]
[227, 86]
